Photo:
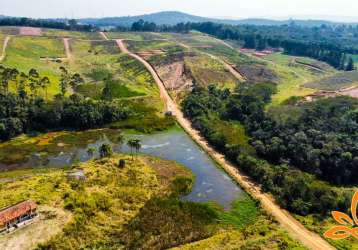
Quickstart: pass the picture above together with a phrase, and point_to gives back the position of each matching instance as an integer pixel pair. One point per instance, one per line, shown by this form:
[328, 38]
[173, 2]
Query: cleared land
[100, 61]
[71, 34]
[30, 31]
[293, 76]
[138, 36]
[337, 81]
[26, 53]
[296, 229]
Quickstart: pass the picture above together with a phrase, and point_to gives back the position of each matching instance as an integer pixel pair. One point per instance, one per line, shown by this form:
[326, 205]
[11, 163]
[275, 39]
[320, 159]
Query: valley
[165, 90]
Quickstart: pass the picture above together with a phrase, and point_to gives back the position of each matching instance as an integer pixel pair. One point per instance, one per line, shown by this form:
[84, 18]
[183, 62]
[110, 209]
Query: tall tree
[64, 80]
[44, 83]
[350, 65]
[33, 82]
[134, 144]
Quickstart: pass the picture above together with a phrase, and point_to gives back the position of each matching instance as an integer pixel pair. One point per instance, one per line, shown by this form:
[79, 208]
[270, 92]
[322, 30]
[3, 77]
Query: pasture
[40, 53]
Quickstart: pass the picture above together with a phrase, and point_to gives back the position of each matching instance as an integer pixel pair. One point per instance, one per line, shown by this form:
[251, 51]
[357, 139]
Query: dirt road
[295, 229]
[227, 66]
[103, 35]
[67, 49]
[6, 42]
[232, 70]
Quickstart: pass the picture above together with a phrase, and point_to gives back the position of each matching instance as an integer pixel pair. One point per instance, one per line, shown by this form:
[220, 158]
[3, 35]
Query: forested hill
[175, 17]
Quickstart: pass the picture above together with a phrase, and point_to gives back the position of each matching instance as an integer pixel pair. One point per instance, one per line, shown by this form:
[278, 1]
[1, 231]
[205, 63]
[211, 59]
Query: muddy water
[212, 184]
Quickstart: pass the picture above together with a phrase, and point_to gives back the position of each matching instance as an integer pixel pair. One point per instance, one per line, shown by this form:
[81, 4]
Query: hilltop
[175, 17]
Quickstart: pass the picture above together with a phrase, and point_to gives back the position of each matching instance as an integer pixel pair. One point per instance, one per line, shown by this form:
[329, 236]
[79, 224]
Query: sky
[279, 9]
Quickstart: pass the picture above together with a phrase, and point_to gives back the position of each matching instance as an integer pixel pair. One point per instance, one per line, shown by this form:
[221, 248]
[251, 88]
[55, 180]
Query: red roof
[10, 213]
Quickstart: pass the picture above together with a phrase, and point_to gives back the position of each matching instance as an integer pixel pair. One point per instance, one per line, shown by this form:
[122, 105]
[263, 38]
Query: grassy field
[114, 208]
[108, 199]
[142, 46]
[139, 36]
[71, 34]
[25, 53]
[101, 62]
[291, 77]
[320, 224]
[207, 70]
[2, 38]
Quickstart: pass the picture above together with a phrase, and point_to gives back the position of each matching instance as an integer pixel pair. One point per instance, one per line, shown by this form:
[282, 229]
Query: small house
[16, 214]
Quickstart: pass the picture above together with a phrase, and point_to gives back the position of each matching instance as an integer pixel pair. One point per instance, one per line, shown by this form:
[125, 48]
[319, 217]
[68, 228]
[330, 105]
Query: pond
[211, 183]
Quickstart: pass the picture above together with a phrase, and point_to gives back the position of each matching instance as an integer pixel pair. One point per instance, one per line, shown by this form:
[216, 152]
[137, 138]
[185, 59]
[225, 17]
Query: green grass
[244, 212]
[71, 34]
[21, 148]
[246, 227]
[25, 53]
[102, 60]
[320, 224]
[119, 90]
[207, 70]
[142, 46]
[291, 78]
[139, 36]
[103, 204]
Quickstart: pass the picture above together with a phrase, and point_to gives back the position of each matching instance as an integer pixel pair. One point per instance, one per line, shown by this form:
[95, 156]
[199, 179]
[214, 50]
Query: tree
[21, 90]
[350, 65]
[33, 82]
[90, 152]
[120, 140]
[105, 150]
[64, 80]
[76, 80]
[134, 144]
[106, 92]
[44, 83]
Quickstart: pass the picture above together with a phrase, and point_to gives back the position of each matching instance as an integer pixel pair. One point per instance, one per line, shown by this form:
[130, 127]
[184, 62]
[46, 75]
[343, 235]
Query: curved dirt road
[295, 229]
[6, 42]
[227, 66]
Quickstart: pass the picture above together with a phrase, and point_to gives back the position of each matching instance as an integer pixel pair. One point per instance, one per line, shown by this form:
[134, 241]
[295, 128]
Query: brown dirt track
[296, 229]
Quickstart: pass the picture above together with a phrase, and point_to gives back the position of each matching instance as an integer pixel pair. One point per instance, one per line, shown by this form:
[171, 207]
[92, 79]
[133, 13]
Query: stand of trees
[317, 140]
[45, 23]
[318, 42]
[26, 110]
[296, 40]
[144, 26]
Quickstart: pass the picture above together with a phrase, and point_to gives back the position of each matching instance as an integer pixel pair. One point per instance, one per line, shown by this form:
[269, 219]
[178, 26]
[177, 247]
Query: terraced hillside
[181, 61]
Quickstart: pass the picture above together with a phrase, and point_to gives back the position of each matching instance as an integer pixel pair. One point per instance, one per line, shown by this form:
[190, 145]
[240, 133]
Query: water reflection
[212, 184]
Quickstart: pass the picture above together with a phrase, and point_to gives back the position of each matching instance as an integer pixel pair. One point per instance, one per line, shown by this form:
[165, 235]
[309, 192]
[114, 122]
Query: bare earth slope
[297, 230]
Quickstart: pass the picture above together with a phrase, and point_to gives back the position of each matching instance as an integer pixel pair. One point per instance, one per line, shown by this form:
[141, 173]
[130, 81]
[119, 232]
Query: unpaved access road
[103, 35]
[6, 42]
[66, 42]
[295, 229]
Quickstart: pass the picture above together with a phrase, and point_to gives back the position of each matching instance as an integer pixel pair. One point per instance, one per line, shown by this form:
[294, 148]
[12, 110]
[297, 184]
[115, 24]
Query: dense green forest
[26, 109]
[45, 23]
[300, 143]
[323, 43]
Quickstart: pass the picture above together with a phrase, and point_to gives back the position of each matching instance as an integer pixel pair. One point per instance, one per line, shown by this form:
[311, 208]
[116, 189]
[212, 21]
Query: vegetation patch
[335, 82]
[25, 53]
